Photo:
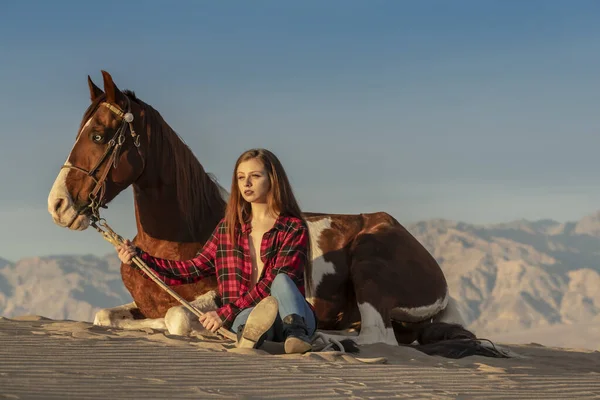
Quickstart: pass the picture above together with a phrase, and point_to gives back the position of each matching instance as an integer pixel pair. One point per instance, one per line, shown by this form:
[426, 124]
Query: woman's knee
[282, 281]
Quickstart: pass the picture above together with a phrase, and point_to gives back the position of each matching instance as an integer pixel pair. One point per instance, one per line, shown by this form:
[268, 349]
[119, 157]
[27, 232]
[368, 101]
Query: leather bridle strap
[112, 152]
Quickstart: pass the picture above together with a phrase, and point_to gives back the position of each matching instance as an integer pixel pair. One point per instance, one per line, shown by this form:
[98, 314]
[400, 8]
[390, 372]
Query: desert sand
[48, 359]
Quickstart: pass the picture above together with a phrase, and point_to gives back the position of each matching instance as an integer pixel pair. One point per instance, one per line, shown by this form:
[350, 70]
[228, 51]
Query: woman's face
[253, 181]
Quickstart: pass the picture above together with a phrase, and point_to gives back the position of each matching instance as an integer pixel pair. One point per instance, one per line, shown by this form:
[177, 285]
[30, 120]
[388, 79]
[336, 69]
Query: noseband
[112, 154]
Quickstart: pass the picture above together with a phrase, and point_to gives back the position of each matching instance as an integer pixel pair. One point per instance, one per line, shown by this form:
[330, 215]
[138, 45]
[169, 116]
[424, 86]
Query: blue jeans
[290, 301]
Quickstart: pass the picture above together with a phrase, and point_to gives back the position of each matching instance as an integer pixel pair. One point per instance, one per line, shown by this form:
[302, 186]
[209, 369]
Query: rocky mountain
[61, 287]
[519, 275]
[509, 278]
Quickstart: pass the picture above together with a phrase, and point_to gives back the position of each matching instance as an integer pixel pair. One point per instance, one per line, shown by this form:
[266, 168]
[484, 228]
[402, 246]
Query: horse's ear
[95, 91]
[113, 94]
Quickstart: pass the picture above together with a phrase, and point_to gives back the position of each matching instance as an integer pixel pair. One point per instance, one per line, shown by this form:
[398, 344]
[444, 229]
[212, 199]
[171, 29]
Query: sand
[48, 359]
[584, 335]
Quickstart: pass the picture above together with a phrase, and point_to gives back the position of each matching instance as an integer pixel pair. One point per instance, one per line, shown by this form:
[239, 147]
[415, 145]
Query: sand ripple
[47, 359]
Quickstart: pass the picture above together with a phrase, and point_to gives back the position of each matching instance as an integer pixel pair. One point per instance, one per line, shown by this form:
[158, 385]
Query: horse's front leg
[127, 316]
[181, 321]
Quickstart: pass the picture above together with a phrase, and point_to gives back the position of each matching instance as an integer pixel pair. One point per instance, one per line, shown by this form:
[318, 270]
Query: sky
[478, 111]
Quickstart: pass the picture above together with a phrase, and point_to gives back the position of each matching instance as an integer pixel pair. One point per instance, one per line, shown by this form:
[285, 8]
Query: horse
[367, 274]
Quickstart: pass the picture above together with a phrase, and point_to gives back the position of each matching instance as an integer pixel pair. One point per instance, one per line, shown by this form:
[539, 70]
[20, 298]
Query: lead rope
[111, 236]
[329, 342]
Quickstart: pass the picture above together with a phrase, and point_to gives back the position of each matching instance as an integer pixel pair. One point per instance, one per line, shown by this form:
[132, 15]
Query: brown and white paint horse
[368, 273]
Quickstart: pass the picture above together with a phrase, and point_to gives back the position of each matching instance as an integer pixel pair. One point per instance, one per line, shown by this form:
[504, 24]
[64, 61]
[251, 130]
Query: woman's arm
[187, 271]
[291, 259]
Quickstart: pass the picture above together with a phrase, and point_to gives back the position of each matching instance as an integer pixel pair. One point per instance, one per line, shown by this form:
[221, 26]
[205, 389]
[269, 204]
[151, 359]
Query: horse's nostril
[58, 204]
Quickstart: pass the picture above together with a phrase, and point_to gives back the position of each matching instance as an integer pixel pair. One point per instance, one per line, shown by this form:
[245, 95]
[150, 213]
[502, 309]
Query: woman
[258, 253]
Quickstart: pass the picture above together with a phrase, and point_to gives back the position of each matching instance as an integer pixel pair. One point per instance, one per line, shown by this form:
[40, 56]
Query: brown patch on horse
[335, 301]
[151, 300]
[394, 269]
[327, 314]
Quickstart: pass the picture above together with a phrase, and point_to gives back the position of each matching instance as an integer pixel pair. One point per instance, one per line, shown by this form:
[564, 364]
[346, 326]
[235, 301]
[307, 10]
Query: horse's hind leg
[376, 326]
[375, 319]
[378, 294]
[181, 321]
[127, 316]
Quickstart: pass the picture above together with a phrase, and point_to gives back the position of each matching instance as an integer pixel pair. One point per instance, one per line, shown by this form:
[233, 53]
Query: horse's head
[105, 159]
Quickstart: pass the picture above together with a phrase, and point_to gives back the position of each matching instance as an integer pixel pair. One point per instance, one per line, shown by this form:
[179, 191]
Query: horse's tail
[443, 336]
[439, 339]
[454, 341]
[446, 336]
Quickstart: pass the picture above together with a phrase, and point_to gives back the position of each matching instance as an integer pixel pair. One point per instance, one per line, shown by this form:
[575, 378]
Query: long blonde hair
[280, 199]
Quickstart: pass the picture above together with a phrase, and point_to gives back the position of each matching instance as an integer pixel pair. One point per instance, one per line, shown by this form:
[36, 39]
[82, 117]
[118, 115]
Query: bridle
[111, 153]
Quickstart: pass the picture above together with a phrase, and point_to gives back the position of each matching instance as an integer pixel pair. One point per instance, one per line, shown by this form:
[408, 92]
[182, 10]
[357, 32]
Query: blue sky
[480, 111]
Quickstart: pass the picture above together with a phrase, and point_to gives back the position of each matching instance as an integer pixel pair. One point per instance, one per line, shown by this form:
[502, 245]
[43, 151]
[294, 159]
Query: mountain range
[522, 280]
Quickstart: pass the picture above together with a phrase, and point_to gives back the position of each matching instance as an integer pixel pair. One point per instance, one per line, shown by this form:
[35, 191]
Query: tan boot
[260, 320]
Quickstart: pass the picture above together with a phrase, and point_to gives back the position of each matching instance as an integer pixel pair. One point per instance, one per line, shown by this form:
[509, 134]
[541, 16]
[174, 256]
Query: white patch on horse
[427, 311]
[59, 195]
[60, 204]
[59, 189]
[83, 127]
[373, 329]
[121, 317]
[451, 314]
[320, 267]
[181, 321]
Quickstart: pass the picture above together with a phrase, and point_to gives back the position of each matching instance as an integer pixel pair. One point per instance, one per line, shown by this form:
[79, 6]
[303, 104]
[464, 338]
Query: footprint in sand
[90, 335]
[489, 369]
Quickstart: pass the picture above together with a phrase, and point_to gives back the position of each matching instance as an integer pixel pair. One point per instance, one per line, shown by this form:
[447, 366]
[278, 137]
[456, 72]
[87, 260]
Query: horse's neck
[162, 226]
[162, 229]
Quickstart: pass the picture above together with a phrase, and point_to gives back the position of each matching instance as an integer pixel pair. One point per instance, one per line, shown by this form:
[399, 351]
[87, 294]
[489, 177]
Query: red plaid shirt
[283, 250]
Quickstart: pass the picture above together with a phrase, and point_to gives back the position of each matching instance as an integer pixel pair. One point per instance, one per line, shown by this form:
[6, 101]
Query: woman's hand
[211, 321]
[126, 251]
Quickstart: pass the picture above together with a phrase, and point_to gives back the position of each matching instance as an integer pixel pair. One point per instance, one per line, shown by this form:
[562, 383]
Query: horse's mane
[198, 195]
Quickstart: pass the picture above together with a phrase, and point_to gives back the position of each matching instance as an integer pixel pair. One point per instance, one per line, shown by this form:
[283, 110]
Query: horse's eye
[97, 138]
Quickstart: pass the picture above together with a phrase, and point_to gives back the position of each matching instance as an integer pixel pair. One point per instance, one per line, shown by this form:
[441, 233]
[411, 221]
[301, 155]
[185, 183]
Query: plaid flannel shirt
[283, 250]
